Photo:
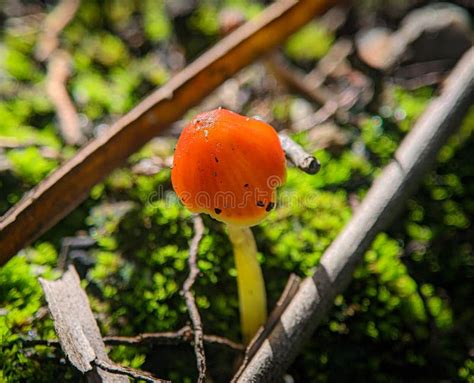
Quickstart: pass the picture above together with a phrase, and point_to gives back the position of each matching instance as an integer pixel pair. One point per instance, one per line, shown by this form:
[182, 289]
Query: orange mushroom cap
[228, 166]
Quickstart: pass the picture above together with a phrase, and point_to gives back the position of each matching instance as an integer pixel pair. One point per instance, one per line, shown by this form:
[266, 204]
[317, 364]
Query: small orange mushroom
[229, 166]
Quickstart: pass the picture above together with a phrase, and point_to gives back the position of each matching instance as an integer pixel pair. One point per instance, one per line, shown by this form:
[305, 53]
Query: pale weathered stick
[298, 156]
[53, 25]
[68, 186]
[68, 119]
[76, 327]
[414, 157]
[294, 152]
[79, 333]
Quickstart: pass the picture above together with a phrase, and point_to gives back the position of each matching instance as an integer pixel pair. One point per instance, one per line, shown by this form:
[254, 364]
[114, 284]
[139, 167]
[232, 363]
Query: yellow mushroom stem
[252, 297]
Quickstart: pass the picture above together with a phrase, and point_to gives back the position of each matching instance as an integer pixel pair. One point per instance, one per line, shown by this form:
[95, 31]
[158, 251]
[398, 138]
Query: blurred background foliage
[406, 316]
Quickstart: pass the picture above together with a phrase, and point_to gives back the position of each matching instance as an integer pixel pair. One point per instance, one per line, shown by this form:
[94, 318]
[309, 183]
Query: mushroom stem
[251, 287]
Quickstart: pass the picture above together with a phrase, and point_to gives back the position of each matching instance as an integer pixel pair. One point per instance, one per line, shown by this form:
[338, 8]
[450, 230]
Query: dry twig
[54, 23]
[190, 300]
[58, 73]
[387, 195]
[79, 334]
[76, 327]
[318, 94]
[181, 336]
[331, 63]
[311, 86]
[127, 371]
[52, 199]
[295, 80]
[45, 151]
[297, 155]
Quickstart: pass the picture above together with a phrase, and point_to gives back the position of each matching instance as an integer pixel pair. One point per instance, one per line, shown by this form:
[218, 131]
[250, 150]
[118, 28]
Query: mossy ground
[406, 316]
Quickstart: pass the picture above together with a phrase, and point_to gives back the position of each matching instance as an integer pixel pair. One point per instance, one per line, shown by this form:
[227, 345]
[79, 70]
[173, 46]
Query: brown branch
[222, 341]
[127, 371]
[329, 64]
[416, 154]
[297, 155]
[172, 338]
[52, 199]
[319, 94]
[295, 80]
[58, 73]
[190, 300]
[53, 25]
[335, 105]
[183, 335]
[160, 338]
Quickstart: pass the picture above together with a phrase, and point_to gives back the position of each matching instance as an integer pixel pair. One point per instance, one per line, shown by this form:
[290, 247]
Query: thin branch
[320, 95]
[14, 143]
[414, 157]
[190, 300]
[58, 73]
[53, 25]
[222, 341]
[333, 104]
[127, 371]
[52, 199]
[297, 155]
[295, 80]
[45, 151]
[159, 338]
[330, 63]
[182, 336]
[59, 63]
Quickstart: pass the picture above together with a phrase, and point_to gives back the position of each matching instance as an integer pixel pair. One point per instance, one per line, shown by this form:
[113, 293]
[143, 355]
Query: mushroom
[229, 166]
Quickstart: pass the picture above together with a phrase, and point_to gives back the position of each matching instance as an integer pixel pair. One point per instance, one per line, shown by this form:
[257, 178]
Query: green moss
[157, 25]
[30, 165]
[404, 317]
[310, 43]
[20, 66]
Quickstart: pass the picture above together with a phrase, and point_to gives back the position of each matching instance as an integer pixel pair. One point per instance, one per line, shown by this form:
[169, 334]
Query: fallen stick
[118, 370]
[386, 197]
[295, 80]
[191, 301]
[76, 327]
[312, 90]
[169, 338]
[298, 156]
[79, 333]
[53, 25]
[68, 120]
[69, 185]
